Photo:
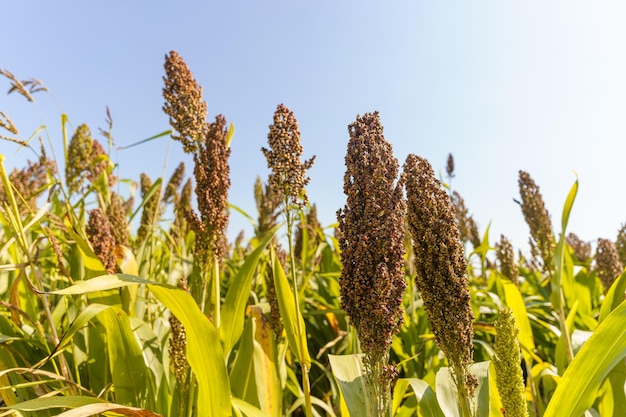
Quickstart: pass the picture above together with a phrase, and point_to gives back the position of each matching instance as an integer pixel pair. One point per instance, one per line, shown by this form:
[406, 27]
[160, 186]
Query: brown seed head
[450, 166]
[183, 103]
[608, 265]
[117, 217]
[440, 265]
[372, 238]
[620, 244]
[582, 250]
[267, 204]
[171, 189]
[538, 220]
[288, 177]
[151, 210]
[506, 259]
[102, 239]
[212, 174]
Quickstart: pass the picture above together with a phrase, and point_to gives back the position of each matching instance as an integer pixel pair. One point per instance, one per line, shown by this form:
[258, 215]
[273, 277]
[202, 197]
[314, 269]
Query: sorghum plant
[538, 219]
[440, 272]
[608, 265]
[372, 250]
[509, 377]
[506, 259]
[287, 179]
[209, 145]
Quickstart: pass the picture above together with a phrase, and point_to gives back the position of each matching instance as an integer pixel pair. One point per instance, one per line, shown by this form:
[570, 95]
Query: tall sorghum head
[450, 166]
[312, 225]
[29, 182]
[506, 259]
[102, 239]
[372, 242]
[509, 377]
[440, 267]
[86, 160]
[267, 204]
[582, 250]
[620, 244]
[117, 217]
[151, 209]
[288, 177]
[183, 103]
[212, 174]
[538, 220]
[608, 265]
[171, 189]
[178, 342]
[208, 143]
[468, 230]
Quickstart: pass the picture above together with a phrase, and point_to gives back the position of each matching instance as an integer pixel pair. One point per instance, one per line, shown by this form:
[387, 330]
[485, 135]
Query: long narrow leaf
[233, 310]
[579, 385]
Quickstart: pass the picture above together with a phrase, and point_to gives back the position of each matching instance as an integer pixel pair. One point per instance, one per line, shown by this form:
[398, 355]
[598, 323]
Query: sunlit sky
[503, 86]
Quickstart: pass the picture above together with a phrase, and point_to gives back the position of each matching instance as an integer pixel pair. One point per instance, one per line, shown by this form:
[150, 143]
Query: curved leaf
[579, 385]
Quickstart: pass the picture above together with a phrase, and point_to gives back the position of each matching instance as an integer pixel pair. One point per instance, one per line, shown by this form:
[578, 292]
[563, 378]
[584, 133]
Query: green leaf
[204, 351]
[234, 308]
[126, 362]
[58, 401]
[567, 208]
[294, 323]
[248, 409]
[579, 385]
[448, 396]
[151, 138]
[425, 396]
[614, 297]
[515, 302]
[242, 375]
[349, 373]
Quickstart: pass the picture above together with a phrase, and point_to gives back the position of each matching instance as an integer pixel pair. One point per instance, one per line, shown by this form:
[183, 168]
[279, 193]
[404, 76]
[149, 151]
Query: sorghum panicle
[620, 244]
[450, 166]
[582, 250]
[372, 246]
[288, 177]
[267, 204]
[538, 220]
[151, 209]
[117, 217]
[509, 377]
[183, 103]
[212, 174]
[506, 259]
[468, 230]
[102, 240]
[311, 224]
[372, 235]
[440, 266]
[178, 342]
[171, 189]
[608, 265]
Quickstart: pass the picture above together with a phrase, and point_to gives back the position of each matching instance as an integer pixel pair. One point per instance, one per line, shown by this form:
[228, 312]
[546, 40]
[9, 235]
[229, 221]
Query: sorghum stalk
[509, 377]
[440, 265]
[372, 251]
[209, 145]
[288, 179]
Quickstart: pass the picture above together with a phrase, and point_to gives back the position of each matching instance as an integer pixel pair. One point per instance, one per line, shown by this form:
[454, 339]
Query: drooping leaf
[577, 389]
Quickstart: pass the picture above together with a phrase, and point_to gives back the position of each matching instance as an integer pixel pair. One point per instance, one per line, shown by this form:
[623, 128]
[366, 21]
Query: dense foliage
[123, 302]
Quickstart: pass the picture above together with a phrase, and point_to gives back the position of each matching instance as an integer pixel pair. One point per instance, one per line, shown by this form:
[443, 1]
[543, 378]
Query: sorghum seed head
[288, 177]
[506, 259]
[440, 264]
[608, 265]
[620, 244]
[538, 220]
[183, 103]
[582, 250]
[509, 377]
[102, 240]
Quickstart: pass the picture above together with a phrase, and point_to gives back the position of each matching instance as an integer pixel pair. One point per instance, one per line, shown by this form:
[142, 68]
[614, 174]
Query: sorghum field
[138, 305]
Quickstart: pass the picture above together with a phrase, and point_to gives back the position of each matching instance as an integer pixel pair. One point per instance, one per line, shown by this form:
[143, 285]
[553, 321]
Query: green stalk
[464, 397]
[216, 292]
[306, 384]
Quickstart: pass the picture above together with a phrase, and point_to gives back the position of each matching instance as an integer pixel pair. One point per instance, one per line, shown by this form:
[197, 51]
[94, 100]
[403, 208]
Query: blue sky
[503, 86]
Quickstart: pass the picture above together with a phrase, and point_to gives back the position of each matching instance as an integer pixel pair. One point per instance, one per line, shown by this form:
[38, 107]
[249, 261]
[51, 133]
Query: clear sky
[504, 86]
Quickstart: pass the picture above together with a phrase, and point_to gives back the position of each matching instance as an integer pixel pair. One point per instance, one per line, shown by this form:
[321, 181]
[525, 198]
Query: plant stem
[306, 384]
[216, 291]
